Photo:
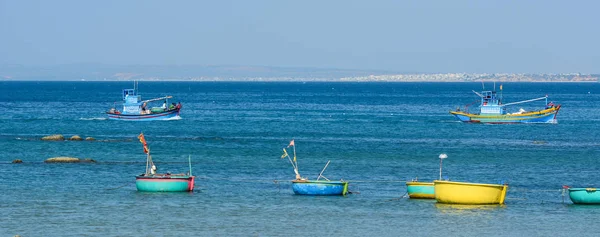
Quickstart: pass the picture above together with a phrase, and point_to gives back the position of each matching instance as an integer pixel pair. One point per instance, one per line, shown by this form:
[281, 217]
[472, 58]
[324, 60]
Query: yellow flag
[284, 154]
[500, 86]
[294, 158]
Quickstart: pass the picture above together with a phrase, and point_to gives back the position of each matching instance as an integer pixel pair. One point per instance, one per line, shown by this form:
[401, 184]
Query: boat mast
[525, 101]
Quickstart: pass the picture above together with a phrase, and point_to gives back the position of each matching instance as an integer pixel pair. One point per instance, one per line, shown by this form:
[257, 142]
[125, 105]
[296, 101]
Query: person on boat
[550, 105]
[178, 105]
[164, 106]
[172, 106]
[144, 111]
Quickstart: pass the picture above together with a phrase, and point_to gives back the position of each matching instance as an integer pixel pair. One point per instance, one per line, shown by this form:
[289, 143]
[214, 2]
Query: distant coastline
[100, 72]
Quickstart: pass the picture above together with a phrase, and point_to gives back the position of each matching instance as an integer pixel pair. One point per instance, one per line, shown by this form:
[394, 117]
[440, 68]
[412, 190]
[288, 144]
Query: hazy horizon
[396, 36]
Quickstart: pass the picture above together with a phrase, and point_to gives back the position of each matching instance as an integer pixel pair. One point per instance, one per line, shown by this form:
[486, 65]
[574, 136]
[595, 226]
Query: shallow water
[377, 135]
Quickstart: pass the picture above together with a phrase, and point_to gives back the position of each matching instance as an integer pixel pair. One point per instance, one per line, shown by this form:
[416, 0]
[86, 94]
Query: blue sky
[406, 36]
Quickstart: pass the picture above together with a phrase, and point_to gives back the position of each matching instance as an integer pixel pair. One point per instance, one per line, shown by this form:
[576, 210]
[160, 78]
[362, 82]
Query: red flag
[291, 143]
[143, 141]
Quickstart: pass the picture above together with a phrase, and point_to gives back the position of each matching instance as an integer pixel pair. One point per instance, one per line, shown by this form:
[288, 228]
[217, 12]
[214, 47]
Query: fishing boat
[304, 186]
[420, 190]
[450, 192]
[584, 195]
[493, 110]
[136, 109]
[150, 181]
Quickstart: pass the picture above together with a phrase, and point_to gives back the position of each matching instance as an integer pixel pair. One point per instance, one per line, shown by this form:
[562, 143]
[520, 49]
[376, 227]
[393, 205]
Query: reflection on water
[467, 209]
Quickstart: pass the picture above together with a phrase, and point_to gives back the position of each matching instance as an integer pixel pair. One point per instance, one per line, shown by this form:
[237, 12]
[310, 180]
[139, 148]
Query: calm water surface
[377, 135]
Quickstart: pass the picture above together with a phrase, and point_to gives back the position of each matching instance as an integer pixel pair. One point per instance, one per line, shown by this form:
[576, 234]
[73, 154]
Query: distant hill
[174, 72]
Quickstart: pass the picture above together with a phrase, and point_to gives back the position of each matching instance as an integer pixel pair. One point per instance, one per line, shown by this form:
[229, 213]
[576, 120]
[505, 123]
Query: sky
[436, 36]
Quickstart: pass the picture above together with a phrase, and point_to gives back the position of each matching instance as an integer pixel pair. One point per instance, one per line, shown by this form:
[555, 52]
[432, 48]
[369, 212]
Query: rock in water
[17, 161]
[90, 139]
[55, 137]
[62, 159]
[76, 138]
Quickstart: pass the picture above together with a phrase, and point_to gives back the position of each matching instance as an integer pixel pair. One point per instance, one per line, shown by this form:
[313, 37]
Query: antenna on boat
[321, 174]
[494, 85]
[482, 85]
[442, 157]
[190, 163]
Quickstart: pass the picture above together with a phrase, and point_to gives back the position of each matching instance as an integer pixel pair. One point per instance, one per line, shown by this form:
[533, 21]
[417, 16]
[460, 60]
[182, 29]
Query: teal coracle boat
[584, 196]
[303, 186]
[150, 181]
[420, 190]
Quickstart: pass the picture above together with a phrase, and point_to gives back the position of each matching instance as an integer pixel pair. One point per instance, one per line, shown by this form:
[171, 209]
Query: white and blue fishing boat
[136, 109]
[304, 186]
[493, 110]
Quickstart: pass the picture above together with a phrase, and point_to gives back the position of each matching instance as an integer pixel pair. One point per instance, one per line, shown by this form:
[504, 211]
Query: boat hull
[167, 115]
[164, 183]
[542, 116]
[420, 190]
[584, 196]
[469, 193]
[319, 188]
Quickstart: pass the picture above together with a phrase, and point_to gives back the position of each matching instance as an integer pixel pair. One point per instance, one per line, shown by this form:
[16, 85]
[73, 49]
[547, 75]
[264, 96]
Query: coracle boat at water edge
[492, 110]
[450, 192]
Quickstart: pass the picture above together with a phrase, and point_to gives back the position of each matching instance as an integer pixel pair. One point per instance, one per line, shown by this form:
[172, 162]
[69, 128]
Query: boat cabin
[491, 104]
[131, 102]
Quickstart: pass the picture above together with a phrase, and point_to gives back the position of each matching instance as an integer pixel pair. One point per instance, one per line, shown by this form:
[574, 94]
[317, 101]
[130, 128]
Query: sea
[377, 135]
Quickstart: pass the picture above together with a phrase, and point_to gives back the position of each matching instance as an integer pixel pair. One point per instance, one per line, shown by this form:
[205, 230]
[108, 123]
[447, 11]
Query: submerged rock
[17, 161]
[90, 139]
[76, 138]
[62, 159]
[55, 137]
[88, 160]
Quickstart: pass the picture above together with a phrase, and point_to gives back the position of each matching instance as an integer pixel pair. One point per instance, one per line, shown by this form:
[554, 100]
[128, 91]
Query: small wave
[174, 118]
[93, 118]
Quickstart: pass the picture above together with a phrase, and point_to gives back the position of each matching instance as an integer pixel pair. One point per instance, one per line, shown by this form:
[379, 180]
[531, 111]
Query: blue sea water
[377, 135]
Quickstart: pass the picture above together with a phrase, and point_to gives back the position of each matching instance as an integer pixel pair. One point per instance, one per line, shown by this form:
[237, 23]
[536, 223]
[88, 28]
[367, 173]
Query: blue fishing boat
[493, 110]
[584, 195]
[303, 186]
[136, 109]
[150, 181]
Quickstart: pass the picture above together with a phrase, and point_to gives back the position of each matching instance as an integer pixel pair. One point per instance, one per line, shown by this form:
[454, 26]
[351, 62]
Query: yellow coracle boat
[469, 193]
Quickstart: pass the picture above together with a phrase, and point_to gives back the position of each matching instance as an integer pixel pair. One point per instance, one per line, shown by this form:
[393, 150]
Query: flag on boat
[143, 141]
[285, 154]
[291, 143]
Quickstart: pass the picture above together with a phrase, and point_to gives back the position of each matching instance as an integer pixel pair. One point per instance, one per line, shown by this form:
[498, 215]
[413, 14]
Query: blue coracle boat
[584, 195]
[320, 188]
[303, 186]
[136, 109]
[492, 110]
